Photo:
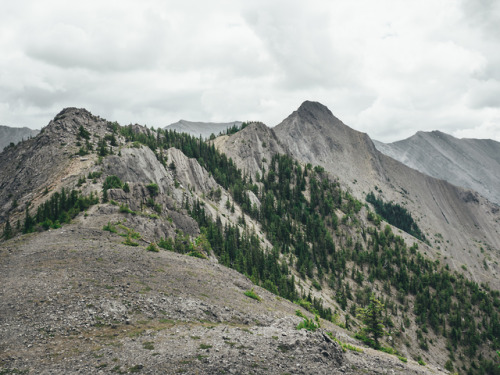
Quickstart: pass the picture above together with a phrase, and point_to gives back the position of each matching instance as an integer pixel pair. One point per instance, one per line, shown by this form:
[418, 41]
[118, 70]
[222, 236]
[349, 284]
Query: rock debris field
[77, 300]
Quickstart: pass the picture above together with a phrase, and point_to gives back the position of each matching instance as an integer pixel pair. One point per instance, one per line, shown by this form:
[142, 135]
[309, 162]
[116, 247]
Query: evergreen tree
[7, 230]
[372, 318]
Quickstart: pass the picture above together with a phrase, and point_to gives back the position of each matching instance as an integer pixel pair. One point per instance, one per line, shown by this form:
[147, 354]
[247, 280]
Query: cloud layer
[388, 68]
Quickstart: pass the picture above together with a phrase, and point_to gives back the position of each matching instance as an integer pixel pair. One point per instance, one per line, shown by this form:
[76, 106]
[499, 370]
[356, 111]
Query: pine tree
[372, 317]
[7, 230]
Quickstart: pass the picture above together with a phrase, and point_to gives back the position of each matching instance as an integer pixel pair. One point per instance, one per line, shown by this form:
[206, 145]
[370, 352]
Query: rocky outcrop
[251, 148]
[469, 163]
[44, 161]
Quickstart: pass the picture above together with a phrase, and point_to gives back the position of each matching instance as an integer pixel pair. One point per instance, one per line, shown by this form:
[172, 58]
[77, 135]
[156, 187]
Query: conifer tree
[7, 230]
[372, 318]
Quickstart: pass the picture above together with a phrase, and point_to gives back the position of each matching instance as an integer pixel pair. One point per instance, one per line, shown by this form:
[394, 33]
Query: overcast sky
[387, 68]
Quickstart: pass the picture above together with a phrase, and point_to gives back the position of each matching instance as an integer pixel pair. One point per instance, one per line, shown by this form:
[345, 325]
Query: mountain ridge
[470, 163]
[292, 227]
[313, 135]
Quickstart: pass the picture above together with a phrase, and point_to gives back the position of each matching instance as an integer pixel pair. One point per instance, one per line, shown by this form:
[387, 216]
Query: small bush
[129, 242]
[309, 324]
[166, 243]
[110, 228]
[124, 208]
[152, 247]
[197, 254]
[153, 189]
[252, 294]
[112, 182]
[449, 365]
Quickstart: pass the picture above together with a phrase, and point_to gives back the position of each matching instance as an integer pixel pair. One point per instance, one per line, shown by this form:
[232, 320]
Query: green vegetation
[129, 242]
[251, 293]
[307, 323]
[110, 228]
[343, 345]
[372, 318]
[153, 189]
[234, 129]
[7, 230]
[152, 247]
[59, 209]
[396, 215]
[83, 133]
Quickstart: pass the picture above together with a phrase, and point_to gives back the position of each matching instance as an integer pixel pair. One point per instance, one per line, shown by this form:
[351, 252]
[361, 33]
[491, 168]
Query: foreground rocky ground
[77, 300]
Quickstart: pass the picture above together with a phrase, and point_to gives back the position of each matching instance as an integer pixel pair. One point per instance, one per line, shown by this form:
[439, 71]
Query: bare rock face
[190, 172]
[251, 148]
[469, 163]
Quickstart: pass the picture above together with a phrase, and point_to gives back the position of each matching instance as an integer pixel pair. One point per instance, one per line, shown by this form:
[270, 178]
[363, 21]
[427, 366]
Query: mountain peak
[315, 110]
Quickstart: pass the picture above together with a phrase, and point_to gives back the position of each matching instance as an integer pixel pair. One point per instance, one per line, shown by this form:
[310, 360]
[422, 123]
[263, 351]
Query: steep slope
[460, 223]
[469, 163]
[205, 129]
[252, 148]
[10, 135]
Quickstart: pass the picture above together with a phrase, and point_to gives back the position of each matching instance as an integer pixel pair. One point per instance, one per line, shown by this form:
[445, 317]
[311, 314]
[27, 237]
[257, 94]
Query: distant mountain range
[205, 129]
[469, 163]
[10, 135]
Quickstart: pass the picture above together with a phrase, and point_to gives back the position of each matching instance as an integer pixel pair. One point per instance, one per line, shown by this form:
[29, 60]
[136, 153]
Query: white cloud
[388, 68]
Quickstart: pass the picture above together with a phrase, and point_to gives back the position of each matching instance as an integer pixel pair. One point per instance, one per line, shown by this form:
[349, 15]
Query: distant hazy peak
[470, 163]
[205, 129]
[14, 135]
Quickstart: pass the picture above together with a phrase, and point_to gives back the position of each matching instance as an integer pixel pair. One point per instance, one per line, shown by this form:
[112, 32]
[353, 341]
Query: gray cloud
[388, 68]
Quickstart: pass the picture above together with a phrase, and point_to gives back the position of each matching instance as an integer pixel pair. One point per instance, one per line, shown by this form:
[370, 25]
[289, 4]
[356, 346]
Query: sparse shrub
[252, 294]
[124, 208]
[112, 182]
[129, 241]
[197, 254]
[309, 324]
[166, 243]
[148, 345]
[449, 365]
[153, 189]
[152, 247]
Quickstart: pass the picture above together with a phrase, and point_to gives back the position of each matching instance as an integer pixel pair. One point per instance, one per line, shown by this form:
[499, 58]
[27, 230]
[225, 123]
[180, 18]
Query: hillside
[203, 129]
[462, 226]
[469, 163]
[105, 218]
[10, 135]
